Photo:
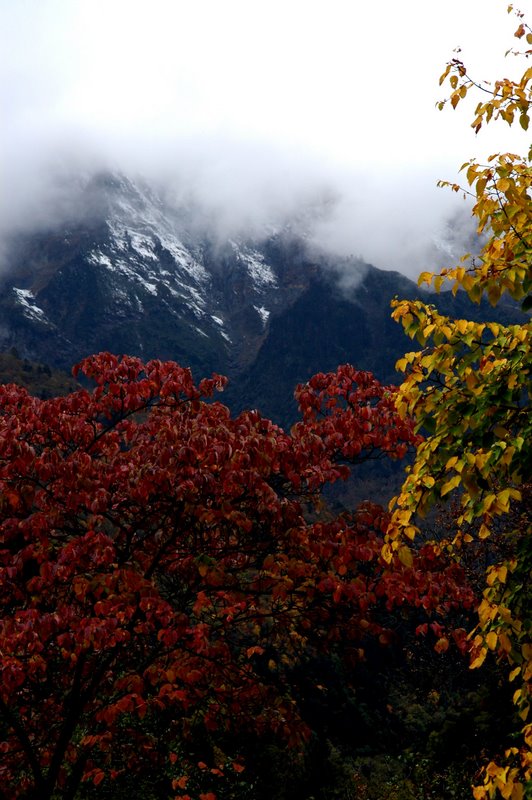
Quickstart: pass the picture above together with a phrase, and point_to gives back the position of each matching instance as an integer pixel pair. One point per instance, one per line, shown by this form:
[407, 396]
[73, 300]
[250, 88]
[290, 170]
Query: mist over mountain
[248, 114]
[235, 188]
[253, 111]
[131, 268]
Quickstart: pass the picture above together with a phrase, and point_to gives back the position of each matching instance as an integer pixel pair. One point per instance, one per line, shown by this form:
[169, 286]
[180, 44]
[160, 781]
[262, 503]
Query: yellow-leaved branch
[468, 388]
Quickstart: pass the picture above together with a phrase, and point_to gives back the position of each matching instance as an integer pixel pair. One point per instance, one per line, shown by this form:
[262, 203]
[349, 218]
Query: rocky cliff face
[141, 276]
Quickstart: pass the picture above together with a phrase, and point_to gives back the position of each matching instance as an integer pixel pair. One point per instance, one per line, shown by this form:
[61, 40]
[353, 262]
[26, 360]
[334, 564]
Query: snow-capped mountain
[137, 274]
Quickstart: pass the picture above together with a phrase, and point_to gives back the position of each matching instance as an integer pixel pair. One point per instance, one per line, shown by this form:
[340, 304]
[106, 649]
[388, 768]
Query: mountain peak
[138, 273]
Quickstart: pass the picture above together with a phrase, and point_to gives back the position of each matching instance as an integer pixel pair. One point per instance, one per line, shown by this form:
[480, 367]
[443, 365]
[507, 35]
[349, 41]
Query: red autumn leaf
[97, 777]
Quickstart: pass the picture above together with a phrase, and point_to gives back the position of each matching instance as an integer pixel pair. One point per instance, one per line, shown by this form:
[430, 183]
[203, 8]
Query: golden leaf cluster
[468, 388]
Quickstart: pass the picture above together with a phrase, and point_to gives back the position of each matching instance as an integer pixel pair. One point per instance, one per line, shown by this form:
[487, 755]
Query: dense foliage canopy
[164, 567]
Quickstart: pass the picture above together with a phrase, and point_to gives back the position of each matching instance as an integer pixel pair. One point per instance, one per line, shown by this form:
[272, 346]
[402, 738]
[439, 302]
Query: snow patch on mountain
[30, 309]
[258, 269]
[263, 314]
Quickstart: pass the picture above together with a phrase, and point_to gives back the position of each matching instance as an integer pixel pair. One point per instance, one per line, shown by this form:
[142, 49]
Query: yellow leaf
[450, 485]
[386, 553]
[405, 556]
[402, 517]
[488, 501]
[447, 331]
[503, 499]
[445, 73]
[479, 660]
[495, 771]
[528, 735]
[492, 575]
[400, 365]
[491, 640]
[425, 277]
[518, 792]
[502, 573]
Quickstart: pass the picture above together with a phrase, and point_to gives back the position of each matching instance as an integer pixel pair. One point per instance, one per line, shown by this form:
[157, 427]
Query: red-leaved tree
[162, 564]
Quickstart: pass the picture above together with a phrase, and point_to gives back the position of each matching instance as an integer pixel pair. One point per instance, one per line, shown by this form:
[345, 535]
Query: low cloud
[397, 220]
[254, 115]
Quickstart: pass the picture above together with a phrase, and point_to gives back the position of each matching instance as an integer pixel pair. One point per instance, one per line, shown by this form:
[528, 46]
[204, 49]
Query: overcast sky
[257, 106]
